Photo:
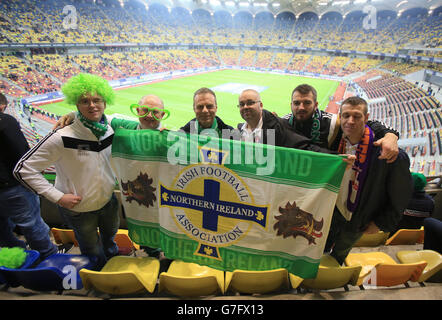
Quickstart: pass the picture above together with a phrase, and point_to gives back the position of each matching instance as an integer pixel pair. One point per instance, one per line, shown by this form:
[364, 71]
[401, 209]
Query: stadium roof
[297, 7]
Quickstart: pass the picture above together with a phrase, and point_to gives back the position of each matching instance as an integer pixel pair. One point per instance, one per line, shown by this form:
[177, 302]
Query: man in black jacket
[18, 206]
[323, 128]
[205, 107]
[373, 193]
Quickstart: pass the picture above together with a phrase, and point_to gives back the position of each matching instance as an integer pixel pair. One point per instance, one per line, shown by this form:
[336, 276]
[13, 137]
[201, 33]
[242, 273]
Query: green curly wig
[85, 83]
[12, 258]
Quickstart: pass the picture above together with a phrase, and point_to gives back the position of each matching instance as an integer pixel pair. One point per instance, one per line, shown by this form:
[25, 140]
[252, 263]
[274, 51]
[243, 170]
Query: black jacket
[284, 137]
[13, 146]
[385, 195]
[305, 129]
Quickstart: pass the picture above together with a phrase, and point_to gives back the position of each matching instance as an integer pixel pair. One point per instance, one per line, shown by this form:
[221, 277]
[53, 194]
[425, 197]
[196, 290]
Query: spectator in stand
[421, 205]
[373, 193]
[18, 206]
[85, 182]
[323, 127]
[205, 107]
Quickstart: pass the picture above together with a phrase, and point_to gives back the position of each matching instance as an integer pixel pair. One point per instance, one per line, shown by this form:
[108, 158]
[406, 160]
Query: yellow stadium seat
[63, 236]
[190, 279]
[422, 236]
[245, 281]
[405, 236]
[295, 281]
[379, 269]
[372, 240]
[123, 275]
[331, 275]
[432, 258]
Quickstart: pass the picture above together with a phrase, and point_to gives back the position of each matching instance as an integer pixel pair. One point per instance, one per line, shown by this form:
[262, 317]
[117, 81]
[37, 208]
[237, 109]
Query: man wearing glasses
[84, 185]
[150, 111]
[150, 119]
[323, 128]
[205, 107]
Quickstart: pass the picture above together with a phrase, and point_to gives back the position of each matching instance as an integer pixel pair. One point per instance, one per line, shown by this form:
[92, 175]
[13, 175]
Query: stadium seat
[55, 273]
[379, 269]
[64, 236]
[405, 236]
[433, 270]
[244, 281]
[124, 243]
[372, 240]
[7, 275]
[123, 275]
[331, 276]
[190, 279]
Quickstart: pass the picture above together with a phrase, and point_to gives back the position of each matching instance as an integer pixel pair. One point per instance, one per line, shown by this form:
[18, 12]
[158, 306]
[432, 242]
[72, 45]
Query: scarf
[214, 126]
[360, 167]
[316, 125]
[98, 128]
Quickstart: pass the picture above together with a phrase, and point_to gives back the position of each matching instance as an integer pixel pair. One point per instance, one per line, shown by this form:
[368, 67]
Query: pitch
[177, 94]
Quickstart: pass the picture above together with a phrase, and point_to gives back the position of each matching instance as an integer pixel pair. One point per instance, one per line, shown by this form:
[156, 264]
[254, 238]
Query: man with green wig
[85, 181]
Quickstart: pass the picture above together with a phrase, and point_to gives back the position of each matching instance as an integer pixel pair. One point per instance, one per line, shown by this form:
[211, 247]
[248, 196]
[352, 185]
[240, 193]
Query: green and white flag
[227, 204]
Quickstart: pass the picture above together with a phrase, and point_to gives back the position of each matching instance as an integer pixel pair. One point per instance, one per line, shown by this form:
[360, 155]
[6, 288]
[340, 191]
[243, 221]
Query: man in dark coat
[323, 128]
[205, 107]
[373, 193]
[18, 206]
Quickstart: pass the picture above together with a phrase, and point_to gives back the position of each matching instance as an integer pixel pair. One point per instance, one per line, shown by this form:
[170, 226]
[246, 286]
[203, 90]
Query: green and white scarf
[214, 126]
[98, 128]
[316, 125]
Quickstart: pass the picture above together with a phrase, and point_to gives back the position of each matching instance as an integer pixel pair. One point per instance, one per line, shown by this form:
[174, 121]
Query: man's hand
[64, 121]
[390, 149]
[372, 228]
[350, 160]
[69, 201]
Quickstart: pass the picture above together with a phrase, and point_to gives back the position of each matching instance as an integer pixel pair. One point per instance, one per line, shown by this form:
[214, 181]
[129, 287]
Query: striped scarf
[360, 167]
[316, 126]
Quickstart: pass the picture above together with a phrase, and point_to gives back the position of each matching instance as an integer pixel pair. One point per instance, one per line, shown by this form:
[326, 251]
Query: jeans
[100, 245]
[21, 207]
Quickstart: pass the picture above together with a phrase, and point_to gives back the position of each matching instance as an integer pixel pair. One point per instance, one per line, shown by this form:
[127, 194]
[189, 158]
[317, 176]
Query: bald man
[152, 118]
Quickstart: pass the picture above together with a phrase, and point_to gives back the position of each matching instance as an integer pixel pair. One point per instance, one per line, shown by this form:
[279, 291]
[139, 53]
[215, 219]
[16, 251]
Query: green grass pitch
[177, 94]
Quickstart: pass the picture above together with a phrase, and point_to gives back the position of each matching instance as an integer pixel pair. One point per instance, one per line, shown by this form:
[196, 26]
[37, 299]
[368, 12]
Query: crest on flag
[296, 222]
[140, 190]
[211, 204]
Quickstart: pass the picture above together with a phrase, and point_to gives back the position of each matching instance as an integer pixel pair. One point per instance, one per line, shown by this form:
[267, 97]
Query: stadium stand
[264, 59]
[281, 61]
[248, 58]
